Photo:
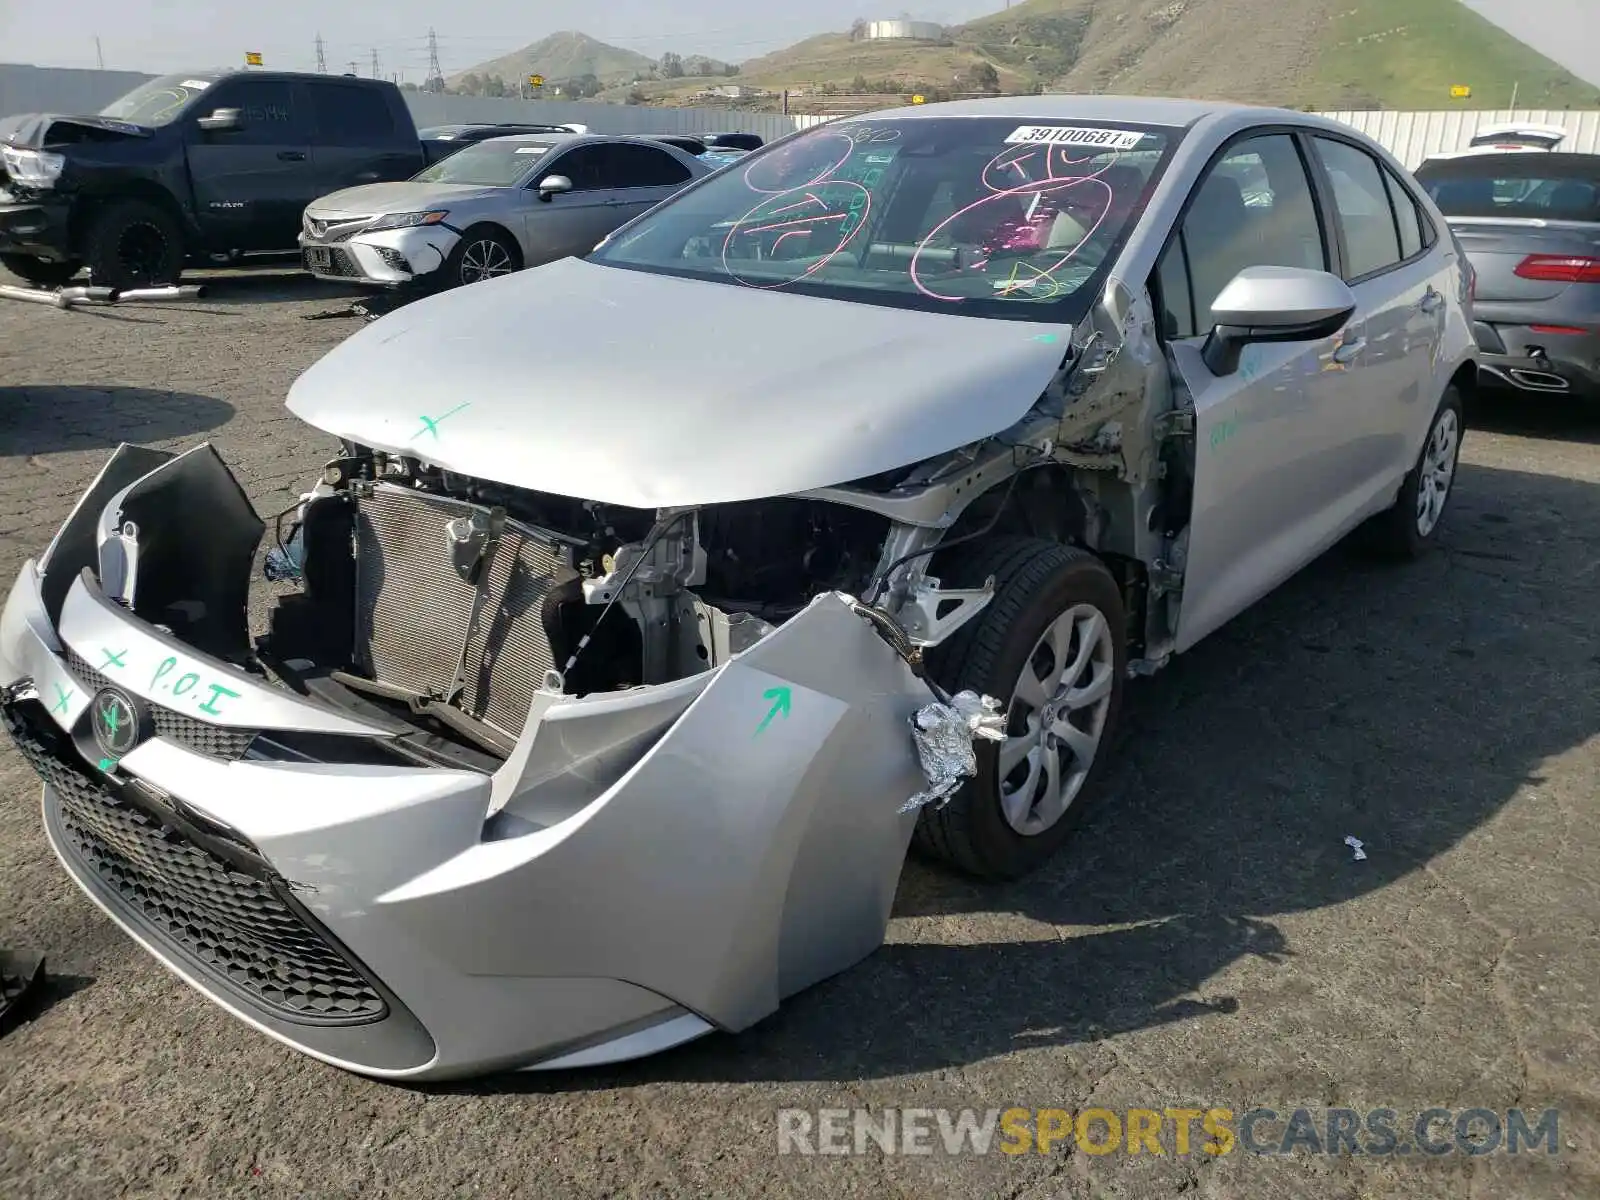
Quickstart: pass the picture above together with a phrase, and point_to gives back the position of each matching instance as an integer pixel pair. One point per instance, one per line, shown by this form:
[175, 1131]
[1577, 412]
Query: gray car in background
[1530, 224]
[491, 208]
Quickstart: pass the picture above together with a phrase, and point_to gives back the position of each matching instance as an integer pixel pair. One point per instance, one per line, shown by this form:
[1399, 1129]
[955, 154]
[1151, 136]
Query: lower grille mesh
[413, 610]
[229, 923]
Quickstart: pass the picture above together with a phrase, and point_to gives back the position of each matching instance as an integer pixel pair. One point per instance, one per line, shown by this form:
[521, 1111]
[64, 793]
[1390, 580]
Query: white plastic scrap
[944, 735]
[1356, 844]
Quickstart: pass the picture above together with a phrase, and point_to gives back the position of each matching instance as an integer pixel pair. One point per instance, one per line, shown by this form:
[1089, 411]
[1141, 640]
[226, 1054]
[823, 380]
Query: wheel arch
[93, 204]
[490, 225]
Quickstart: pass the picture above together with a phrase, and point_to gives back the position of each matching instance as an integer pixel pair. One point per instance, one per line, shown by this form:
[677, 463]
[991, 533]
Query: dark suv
[206, 165]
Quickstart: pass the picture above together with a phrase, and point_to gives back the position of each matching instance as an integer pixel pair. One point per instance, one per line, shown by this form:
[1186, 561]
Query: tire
[1407, 529]
[1038, 585]
[482, 253]
[133, 243]
[38, 271]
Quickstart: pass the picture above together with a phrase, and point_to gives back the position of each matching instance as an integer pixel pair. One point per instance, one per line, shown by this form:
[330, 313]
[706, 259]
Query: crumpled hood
[374, 198]
[646, 390]
[34, 131]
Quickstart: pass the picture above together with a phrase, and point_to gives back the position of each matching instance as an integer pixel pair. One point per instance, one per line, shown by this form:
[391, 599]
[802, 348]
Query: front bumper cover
[646, 867]
[39, 228]
[392, 257]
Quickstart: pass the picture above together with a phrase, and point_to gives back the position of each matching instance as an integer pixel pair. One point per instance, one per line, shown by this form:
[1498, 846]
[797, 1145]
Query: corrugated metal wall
[1411, 136]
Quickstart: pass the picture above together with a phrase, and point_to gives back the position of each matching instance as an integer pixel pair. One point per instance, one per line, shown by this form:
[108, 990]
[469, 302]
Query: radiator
[414, 610]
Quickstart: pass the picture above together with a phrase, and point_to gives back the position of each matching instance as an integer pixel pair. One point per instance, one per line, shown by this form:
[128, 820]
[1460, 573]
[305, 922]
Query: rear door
[1401, 288]
[643, 176]
[1273, 441]
[250, 182]
[356, 139]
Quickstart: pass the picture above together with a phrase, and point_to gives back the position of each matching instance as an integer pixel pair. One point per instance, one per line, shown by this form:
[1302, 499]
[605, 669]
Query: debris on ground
[1358, 846]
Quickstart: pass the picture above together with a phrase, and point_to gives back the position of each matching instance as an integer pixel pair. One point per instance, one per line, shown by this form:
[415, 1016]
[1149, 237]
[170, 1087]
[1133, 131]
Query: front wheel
[132, 244]
[1404, 531]
[1051, 647]
[481, 254]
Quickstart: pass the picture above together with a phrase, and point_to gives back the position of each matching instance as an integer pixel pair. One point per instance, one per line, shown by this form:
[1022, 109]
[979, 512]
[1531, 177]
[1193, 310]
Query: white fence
[1411, 136]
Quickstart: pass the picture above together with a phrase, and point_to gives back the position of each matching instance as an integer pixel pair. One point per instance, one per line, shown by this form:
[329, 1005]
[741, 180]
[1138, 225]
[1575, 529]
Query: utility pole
[322, 59]
[375, 62]
[1514, 88]
[99, 57]
[352, 66]
[435, 80]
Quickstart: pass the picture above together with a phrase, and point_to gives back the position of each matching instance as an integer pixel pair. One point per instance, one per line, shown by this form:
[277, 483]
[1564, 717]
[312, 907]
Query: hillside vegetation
[562, 56]
[1297, 53]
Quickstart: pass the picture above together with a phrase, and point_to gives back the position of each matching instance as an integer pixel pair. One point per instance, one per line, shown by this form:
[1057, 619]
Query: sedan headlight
[32, 168]
[406, 220]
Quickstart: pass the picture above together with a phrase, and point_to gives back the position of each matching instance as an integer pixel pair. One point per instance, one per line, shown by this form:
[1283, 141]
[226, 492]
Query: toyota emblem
[119, 720]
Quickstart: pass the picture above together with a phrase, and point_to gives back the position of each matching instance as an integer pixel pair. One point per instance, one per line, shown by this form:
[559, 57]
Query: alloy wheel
[1437, 470]
[1058, 715]
[142, 251]
[484, 259]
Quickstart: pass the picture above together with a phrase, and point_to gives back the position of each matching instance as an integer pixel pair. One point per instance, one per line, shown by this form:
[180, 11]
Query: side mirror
[553, 185]
[221, 119]
[1274, 304]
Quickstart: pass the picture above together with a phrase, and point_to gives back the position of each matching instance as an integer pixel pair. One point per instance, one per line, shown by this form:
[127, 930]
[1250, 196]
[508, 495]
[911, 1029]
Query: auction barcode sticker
[1075, 135]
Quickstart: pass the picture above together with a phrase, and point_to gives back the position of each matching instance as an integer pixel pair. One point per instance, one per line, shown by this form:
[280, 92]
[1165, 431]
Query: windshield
[1545, 187]
[983, 216]
[486, 164]
[158, 102]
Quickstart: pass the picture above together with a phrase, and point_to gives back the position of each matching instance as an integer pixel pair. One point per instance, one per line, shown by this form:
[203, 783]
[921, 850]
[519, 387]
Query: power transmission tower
[435, 80]
[352, 66]
[322, 59]
[375, 62]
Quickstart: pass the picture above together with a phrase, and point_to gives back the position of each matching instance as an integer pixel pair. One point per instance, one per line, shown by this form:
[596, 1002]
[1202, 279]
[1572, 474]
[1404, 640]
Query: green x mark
[63, 696]
[431, 424]
[114, 658]
[106, 764]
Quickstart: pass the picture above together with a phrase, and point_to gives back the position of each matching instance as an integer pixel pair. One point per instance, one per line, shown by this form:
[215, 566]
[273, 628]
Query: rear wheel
[37, 271]
[134, 243]
[482, 253]
[1404, 531]
[1050, 646]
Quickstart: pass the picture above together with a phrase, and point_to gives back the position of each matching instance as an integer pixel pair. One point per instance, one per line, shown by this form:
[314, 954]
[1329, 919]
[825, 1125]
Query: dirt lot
[1208, 942]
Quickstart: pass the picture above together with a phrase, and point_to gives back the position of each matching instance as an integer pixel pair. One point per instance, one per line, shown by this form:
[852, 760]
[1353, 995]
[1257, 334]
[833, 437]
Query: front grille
[232, 924]
[414, 612]
[334, 231]
[214, 741]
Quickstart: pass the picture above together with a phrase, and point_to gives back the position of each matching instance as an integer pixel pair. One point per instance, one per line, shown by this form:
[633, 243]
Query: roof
[1140, 110]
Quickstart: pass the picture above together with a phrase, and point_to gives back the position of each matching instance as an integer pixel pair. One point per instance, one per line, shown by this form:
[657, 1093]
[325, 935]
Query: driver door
[1273, 441]
[250, 183]
[570, 223]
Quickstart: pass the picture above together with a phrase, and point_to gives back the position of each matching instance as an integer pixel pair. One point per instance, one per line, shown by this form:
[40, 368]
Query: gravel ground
[1207, 942]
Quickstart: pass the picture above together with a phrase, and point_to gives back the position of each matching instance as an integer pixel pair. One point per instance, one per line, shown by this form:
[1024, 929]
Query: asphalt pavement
[1208, 941]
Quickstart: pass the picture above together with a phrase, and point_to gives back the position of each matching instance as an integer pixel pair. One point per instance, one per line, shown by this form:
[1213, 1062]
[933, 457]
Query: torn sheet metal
[945, 737]
[1358, 846]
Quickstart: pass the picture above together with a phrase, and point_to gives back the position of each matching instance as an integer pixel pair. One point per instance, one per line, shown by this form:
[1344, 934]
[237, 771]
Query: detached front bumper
[392, 257]
[647, 866]
[35, 227]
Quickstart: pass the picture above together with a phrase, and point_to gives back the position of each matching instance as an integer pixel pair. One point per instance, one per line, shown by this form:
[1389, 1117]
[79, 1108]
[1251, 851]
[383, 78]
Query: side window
[1370, 237]
[350, 116]
[643, 167]
[1406, 215]
[585, 166]
[1253, 208]
[267, 113]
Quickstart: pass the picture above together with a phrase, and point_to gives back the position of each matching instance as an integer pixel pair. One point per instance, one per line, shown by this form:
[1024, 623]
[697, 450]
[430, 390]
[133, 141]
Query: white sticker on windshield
[1072, 135]
[532, 149]
[198, 84]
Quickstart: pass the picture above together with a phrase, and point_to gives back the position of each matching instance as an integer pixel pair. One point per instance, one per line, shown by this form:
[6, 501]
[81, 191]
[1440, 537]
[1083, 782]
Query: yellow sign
[1460, 92]
[252, 58]
[917, 100]
[535, 80]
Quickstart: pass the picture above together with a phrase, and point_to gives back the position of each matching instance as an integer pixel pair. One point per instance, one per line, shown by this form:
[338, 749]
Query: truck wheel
[37, 271]
[482, 253]
[134, 243]
[1050, 647]
[1405, 531]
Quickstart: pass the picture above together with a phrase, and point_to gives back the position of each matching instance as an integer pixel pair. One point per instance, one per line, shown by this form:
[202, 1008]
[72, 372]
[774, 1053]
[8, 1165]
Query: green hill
[1401, 54]
[563, 56]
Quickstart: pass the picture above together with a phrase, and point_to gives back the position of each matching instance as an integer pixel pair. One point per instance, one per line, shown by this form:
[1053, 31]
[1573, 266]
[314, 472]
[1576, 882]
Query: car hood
[372, 198]
[34, 131]
[591, 382]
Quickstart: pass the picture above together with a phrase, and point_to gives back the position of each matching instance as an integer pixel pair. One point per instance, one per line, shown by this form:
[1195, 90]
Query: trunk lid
[1495, 248]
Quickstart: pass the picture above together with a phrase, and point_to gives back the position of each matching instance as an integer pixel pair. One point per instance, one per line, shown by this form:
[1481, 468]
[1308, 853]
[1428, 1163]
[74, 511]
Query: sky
[174, 35]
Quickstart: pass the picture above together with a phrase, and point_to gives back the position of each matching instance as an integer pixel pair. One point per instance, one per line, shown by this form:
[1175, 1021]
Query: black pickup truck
[207, 166]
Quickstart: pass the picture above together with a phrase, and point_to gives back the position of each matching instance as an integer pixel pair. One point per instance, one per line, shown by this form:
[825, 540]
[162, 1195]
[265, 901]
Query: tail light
[1560, 268]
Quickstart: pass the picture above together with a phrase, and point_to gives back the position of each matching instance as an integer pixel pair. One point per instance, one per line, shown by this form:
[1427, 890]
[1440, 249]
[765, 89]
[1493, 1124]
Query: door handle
[1350, 351]
[1431, 302]
[292, 155]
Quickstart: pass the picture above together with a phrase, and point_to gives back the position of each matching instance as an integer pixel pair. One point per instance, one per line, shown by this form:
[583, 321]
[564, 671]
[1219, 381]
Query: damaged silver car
[606, 693]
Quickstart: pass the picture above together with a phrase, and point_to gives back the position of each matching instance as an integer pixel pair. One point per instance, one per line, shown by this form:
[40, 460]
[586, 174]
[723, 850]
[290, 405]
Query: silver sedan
[490, 209]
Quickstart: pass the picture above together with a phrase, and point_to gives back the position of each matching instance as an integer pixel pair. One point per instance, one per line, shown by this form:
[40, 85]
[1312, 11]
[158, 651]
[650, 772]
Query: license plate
[318, 259]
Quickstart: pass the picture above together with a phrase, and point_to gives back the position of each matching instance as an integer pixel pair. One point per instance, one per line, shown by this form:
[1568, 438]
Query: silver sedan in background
[490, 209]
